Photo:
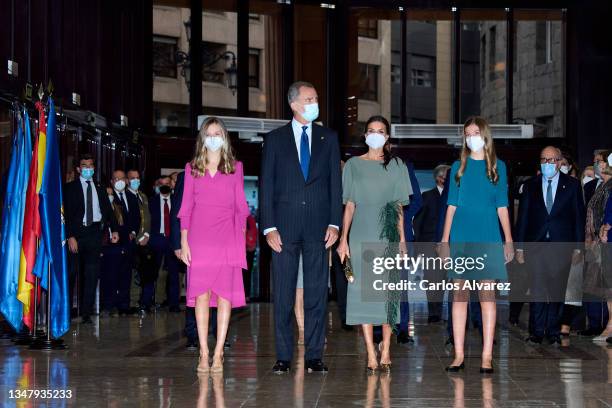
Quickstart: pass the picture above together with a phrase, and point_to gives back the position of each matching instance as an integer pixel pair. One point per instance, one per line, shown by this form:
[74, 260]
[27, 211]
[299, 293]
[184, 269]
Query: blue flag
[53, 240]
[12, 222]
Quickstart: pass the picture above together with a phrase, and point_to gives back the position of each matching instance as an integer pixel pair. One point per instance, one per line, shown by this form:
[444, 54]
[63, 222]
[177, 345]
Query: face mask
[548, 170]
[120, 185]
[165, 190]
[475, 143]
[87, 173]
[375, 140]
[564, 169]
[610, 160]
[596, 169]
[135, 184]
[586, 179]
[311, 112]
[213, 143]
[111, 198]
[156, 189]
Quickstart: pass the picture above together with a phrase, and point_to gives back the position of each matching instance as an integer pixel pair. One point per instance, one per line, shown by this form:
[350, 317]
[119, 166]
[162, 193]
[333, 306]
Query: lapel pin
[322, 137]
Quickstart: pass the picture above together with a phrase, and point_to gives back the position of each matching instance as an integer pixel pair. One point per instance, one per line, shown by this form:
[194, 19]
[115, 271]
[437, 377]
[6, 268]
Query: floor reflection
[123, 362]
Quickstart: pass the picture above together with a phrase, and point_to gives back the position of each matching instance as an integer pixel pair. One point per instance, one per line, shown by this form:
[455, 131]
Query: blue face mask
[87, 173]
[311, 112]
[135, 184]
[156, 189]
[548, 170]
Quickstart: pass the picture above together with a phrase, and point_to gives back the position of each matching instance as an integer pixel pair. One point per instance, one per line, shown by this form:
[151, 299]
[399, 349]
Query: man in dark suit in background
[160, 206]
[425, 224]
[551, 210]
[121, 264]
[86, 211]
[301, 211]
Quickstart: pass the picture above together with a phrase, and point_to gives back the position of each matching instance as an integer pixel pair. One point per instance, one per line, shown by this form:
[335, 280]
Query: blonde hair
[489, 149]
[227, 164]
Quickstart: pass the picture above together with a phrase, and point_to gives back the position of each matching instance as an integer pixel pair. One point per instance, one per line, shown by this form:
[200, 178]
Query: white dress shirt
[97, 214]
[125, 199]
[297, 135]
[162, 226]
[440, 189]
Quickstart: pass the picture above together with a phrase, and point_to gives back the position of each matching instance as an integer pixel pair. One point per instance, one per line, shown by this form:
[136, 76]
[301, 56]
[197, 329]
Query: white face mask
[475, 143]
[565, 169]
[111, 198]
[213, 143]
[120, 185]
[375, 140]
[586, 179]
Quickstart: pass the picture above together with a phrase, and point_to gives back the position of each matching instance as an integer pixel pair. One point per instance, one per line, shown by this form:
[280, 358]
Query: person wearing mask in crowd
[587, 175]
[86, 211]
[551, 210]
[121, 265]
[568, 166]
[425, 225]
[597, 231]
[160, 206]
[477, 205]
[112, 255]
[213, 217]
[143, 252]
[373, 184]
[301, 209]
[591, 186]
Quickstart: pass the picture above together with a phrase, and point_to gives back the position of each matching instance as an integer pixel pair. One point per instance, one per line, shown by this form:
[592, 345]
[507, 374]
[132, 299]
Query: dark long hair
[387, 155]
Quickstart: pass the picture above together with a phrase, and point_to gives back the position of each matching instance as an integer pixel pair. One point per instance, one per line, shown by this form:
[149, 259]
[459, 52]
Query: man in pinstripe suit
[301, 210]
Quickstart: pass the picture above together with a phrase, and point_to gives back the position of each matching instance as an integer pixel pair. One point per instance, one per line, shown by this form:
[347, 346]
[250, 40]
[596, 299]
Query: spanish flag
[31, 221]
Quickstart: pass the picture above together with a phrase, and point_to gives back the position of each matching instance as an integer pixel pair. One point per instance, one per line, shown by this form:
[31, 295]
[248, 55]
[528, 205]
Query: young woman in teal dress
[477, 204]
[372, 183]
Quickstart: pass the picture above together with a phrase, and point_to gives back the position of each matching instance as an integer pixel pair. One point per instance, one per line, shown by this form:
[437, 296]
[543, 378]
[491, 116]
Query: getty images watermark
[458, 265]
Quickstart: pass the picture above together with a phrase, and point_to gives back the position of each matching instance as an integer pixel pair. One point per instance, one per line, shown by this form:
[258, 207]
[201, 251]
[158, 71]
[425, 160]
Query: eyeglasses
[549, 161]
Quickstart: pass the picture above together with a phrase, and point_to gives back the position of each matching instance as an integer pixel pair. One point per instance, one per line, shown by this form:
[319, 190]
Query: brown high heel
[386, 367]
[217, 368]
[202, 369]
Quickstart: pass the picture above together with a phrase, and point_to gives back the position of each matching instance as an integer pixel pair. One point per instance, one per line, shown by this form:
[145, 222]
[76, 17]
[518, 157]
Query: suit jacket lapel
[560, 194]
[291, 149]
[540, 194]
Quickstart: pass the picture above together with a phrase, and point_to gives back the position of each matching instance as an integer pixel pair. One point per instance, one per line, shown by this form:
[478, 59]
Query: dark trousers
[341, 284]
[434, 297]
[597, 314]
[549, 271]
[517, 276]
[160, 245]
[112, 264]
[246, 273]
[86, 263]
[191, 327]
[316, 274]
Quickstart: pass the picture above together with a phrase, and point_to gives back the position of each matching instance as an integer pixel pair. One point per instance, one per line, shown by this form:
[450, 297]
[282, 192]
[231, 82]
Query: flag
[52, 251]
[12, 223]
[31, 224]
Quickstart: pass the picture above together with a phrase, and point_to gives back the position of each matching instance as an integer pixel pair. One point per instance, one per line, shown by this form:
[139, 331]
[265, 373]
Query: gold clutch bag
[347, 267]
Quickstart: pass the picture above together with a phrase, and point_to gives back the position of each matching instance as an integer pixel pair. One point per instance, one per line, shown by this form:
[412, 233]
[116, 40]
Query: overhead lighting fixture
[328, 5]
[283, 1]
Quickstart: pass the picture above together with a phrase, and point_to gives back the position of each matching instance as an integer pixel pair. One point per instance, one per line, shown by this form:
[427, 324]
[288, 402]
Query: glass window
[367, 27]
[539, 96]
[213, 65]
[368, 82]
[164, 56]
[254, 67]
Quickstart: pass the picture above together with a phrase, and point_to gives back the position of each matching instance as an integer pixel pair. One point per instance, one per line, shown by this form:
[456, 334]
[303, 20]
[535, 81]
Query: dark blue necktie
[304, 153]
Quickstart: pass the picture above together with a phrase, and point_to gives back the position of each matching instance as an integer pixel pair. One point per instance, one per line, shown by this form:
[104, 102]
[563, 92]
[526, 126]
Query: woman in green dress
[477, 204]
[373, 183]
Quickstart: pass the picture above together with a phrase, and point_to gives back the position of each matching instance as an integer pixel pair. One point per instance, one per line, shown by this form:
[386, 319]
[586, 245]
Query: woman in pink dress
[213, 223]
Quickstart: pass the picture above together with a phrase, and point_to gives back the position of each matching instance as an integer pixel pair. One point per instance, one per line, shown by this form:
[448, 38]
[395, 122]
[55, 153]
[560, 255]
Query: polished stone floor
[124, 362]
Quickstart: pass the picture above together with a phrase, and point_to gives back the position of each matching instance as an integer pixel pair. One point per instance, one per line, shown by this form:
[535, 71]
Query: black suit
[301, 210]
[425, 225]
[89, 238]
[549, 264]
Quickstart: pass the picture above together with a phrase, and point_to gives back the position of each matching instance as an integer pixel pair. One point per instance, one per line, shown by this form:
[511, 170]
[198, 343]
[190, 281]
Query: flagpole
[47, 343]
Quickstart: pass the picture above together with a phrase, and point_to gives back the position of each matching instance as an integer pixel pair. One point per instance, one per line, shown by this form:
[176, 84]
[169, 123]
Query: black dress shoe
[192, 345]
[433, 319]
[554, 340]
[534, 340]
[316, 366]
[281, 367]
[346, 327]
[450, 341]
[404, 338]
[455, 369]
[484, 370]
[227, 344]
[513, 322]
[86, 320]
[609, 340]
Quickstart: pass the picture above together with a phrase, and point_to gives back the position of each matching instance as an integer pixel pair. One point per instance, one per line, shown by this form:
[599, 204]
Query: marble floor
[127, 361]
